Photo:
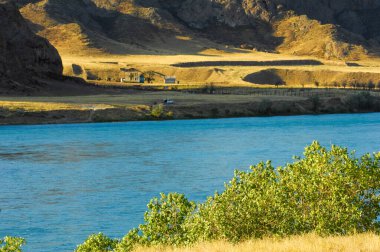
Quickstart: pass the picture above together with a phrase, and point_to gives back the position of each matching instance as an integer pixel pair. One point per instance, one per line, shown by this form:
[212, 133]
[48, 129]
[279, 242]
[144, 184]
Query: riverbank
[150, 105]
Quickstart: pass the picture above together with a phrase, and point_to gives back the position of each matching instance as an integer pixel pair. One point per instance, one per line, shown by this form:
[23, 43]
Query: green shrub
[157, 111]
[170, 114]
[165, 218]
[164, 223]
[11, 244]
[327, 191]
[97, 243]
[245, 209]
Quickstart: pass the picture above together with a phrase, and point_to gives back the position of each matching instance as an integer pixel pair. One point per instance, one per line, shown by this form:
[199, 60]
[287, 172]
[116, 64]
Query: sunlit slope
[97, 38]
[181, 27]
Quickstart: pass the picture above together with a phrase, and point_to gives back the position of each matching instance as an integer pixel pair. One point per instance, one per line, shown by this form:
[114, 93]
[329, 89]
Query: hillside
[29, 64]
[24, 56]
[343, 29]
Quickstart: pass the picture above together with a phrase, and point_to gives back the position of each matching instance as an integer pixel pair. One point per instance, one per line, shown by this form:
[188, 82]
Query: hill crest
[340, 29]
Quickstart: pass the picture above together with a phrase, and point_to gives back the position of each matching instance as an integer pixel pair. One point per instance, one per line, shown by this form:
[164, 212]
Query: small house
[170, 79]
[132, 75]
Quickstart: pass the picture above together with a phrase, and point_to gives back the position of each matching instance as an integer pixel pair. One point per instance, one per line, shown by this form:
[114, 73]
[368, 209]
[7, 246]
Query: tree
[371, 85]
[316, 84]
[279, 83]
[149, 76]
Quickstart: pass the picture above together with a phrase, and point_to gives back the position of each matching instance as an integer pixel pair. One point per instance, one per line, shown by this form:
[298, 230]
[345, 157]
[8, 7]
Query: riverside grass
[325, 193]
[367, 242]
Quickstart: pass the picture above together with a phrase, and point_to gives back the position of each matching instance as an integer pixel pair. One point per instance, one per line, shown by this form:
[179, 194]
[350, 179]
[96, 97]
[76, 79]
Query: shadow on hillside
[267, 77]
[250, 63]
[116, 33]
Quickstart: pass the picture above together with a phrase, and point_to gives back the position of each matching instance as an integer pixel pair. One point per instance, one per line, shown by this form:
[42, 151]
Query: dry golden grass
[30, 106]
[225, 75]
[300, 33]
[133, 99]
[307, 243]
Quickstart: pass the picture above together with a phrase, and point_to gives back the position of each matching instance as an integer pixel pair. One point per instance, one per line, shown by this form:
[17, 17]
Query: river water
[60, 183]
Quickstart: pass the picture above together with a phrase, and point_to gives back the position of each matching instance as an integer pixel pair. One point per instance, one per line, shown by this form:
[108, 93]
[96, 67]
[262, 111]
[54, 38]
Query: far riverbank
[142, 106]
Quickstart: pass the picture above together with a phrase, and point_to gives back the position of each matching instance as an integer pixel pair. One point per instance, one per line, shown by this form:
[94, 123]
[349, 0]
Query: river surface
[60, 183]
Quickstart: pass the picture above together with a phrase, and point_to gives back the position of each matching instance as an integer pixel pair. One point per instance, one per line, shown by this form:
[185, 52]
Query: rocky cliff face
[341, 29]
[24, 56]
[358, 16]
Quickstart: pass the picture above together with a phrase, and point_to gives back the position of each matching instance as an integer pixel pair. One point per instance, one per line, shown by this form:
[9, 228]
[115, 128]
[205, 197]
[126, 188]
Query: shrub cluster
[327, 191]
[11, 244]
[158, 111]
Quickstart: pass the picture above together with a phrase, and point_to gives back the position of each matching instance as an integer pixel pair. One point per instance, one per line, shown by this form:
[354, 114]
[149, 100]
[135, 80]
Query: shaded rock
[24, 56]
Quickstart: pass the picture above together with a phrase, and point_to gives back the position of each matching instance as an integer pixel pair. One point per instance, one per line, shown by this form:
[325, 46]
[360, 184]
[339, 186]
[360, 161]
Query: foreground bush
[328, 192]
[11, 244]
[98, 242]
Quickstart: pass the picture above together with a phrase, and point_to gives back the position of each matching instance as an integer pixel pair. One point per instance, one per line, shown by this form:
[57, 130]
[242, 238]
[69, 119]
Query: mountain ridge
[342, 29]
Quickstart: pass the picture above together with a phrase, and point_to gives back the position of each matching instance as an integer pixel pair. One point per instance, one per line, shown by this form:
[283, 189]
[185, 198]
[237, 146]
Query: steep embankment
[340, 29]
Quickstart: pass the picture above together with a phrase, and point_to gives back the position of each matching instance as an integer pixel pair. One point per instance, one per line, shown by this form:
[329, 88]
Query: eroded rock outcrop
[24, 56]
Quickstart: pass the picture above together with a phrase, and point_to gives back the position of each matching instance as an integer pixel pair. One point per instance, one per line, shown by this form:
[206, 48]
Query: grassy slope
[109, 67]
[310, 243]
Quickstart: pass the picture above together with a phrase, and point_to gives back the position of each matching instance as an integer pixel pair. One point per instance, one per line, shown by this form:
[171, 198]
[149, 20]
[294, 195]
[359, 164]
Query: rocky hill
[24, 57]
[332, 29]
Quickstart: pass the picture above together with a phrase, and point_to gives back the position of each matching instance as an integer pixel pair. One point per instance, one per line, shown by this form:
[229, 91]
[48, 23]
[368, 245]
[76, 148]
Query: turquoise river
[61, 183]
